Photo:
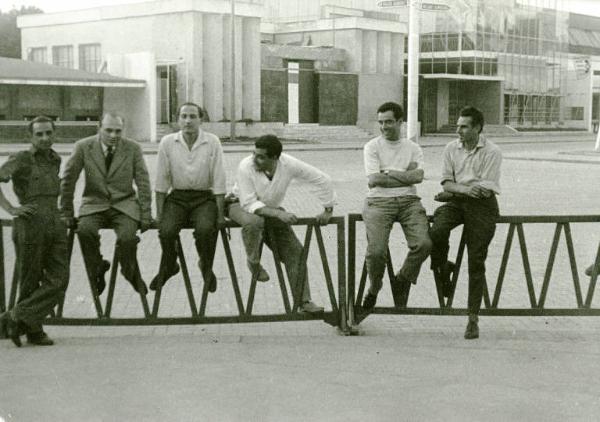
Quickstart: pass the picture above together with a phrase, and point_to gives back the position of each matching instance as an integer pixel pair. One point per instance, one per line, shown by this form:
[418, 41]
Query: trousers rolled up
[479, 217]
[182, 208]
[253, 227]
[42, 266]
[379, 215]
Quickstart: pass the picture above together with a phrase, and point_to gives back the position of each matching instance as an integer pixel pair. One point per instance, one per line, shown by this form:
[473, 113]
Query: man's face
[262, 161]
[389, 126]
[466, 131]
[42, 136]
[189, 119]
[111, 130]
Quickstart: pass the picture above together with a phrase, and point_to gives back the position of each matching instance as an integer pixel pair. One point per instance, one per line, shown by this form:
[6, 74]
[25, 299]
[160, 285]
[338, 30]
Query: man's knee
[127, 238]
[424, 246]
[87, 229]
[376, 250]
[253, 224]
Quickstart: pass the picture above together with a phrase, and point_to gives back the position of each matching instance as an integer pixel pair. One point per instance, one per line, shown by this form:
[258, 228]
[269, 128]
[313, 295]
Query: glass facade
[523, 43]
[89, 57]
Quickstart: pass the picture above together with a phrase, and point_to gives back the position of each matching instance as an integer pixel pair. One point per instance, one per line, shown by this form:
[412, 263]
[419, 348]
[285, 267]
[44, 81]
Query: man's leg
[172, 220]
[204, 220]
[378, 215]
[413, 219]
[252, 234]
[88, 228]
[126, 230]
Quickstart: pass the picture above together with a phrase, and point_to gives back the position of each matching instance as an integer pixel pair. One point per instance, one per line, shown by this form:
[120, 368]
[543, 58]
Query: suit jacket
[113, 189]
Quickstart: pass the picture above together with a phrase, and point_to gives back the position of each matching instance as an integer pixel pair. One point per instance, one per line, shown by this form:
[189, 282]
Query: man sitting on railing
[471, 181]
[261, 184]
[39, 235]
[393, 166]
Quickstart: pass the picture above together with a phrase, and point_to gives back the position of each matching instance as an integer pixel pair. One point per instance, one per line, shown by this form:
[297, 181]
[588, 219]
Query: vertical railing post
[2, 281]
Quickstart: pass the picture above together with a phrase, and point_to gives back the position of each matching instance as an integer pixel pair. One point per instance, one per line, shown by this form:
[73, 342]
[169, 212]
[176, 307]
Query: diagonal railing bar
[459, 257]
[186, 277]
[112, 283]
[254, 282]
[573, 264]
[550, 265]
[326, 271]
[594, 278]
[298, 291]
[503, 264]
[234, 280]
[280, 276]
[362, 284]
[526, 266]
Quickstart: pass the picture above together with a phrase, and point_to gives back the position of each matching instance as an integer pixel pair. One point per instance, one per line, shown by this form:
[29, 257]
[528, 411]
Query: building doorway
[166, 91]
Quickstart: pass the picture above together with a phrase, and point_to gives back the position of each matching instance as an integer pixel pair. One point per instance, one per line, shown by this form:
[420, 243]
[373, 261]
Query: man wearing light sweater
[261, 184]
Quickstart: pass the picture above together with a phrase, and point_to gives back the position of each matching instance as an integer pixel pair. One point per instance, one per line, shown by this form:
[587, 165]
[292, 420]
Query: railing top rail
[524, 218]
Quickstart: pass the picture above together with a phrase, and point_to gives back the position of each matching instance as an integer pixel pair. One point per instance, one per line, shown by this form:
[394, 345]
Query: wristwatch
[329, 209]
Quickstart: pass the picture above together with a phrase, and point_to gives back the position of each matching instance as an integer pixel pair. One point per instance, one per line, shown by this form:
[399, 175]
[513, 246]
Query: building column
[213, 65]
[369, 51]
[251, 69]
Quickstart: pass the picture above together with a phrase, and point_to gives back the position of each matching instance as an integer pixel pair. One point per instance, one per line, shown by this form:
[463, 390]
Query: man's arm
[395, 179]
[8, 169]
[67, 186]
[286, 217]
[160, 203]
[142, 182]
[218, 184]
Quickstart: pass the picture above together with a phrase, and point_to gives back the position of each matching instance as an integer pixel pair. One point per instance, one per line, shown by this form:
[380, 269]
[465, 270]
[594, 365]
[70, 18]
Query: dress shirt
[255, 190]
[480, 166]
[200, 168]
[381, 154]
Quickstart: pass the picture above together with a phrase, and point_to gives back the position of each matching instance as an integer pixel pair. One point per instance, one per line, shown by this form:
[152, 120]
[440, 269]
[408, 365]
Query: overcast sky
[588, 7]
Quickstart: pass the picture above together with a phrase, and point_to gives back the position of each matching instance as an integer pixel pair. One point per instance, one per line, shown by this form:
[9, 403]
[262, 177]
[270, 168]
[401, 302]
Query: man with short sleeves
[190, 186]
[393, 166]
[471, 181]
[261, 184]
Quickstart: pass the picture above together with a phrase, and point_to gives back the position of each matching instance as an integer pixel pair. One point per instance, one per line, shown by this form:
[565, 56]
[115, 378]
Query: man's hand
[324, 217]
[69, 222]
[478, 192]
[146, 224]
[444, 196]
[287, 217]
[24, 211]
[412, 165]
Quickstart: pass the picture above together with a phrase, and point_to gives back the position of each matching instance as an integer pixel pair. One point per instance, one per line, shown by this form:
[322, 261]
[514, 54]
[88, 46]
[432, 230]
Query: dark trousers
[181, 208]
[42, 266]
[125, 228]
[479, 217]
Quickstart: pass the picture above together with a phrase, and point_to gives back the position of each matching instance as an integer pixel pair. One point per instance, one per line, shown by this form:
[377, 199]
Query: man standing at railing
[393, 166]
[261, 184]
[39, 235]
[112, 164]
[190, 186]
[471, 181]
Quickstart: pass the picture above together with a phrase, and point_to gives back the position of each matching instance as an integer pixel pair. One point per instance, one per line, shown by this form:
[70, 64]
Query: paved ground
[402, 368]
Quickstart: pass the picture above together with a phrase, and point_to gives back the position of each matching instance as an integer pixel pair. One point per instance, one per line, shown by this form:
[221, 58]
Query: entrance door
[166, 92]
[293, 92]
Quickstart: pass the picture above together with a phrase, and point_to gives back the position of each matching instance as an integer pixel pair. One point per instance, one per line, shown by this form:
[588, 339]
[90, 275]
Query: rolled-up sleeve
[490, 170]
[417, 157]
[320, 182]
[447, 166]
[371, 159]
[247, 192]
[163, 174]
[218, 170]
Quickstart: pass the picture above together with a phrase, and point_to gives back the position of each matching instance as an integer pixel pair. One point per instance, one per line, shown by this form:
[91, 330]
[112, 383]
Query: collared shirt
[34, 174]
[381, 155]
[480, 166]
[105, 147]
[200, 168]
[255, 190]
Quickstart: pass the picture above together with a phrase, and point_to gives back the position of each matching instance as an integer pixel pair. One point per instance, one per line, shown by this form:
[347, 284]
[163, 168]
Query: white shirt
[255, 190]
[381, 154]
[200, 168]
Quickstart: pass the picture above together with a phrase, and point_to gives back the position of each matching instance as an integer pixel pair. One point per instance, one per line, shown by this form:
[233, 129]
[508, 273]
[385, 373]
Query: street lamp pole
[413, 71]
[232, 91]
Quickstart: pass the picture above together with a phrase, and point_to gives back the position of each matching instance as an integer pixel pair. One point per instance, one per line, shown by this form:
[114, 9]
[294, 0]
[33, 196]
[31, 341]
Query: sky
[589, 7]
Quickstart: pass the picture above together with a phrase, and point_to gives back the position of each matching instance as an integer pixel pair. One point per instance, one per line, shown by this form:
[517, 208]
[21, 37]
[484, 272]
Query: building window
[89, 57]
[62, 55]
[576, 113]
[37, 54]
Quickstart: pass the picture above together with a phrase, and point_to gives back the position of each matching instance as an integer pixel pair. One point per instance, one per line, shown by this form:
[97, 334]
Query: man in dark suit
[111, 164]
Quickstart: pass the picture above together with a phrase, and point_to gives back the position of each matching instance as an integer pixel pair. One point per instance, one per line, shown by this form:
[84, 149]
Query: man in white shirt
[471, 181]
[261, 184]
[190, 186]
[393, 166]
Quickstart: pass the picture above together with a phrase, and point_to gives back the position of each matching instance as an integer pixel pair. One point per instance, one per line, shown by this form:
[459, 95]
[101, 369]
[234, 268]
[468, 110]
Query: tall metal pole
[232, 92]
[413, 71]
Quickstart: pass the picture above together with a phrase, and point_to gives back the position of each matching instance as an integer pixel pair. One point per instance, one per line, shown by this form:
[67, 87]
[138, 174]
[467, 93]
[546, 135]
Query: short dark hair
[40, 119]
[475, 114]
[200, 111]
[395, 107]
[271, 144]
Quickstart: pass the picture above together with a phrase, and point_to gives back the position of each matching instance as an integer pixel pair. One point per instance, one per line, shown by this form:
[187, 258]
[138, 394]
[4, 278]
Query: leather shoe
[159, 279]
[39, 339]
[310, 308]
[258, 270]
[100, 281]
[139, 286]
[369, 301]
[588, 270]
[472, 330]
[442, 277]
[13, 330]
[212, 282]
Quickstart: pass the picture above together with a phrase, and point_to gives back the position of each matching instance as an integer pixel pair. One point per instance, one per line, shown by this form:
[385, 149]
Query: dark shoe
[100, 282]
[159, 280]
[212, 282]
[39, 339]
[310, 308]
[369, 302]
[261, 274]
[13, 329]
[472, 331]
[443, 277]
[400, 288]
[588, 270]
[139, 286]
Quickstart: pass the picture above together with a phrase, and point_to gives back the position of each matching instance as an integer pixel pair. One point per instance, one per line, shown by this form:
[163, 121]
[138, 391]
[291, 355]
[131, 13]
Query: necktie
[109, 157]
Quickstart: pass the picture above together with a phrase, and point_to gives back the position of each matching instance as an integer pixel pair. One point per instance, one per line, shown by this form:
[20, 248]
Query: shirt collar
[51, 153]
[200, 139]
[480, 143]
